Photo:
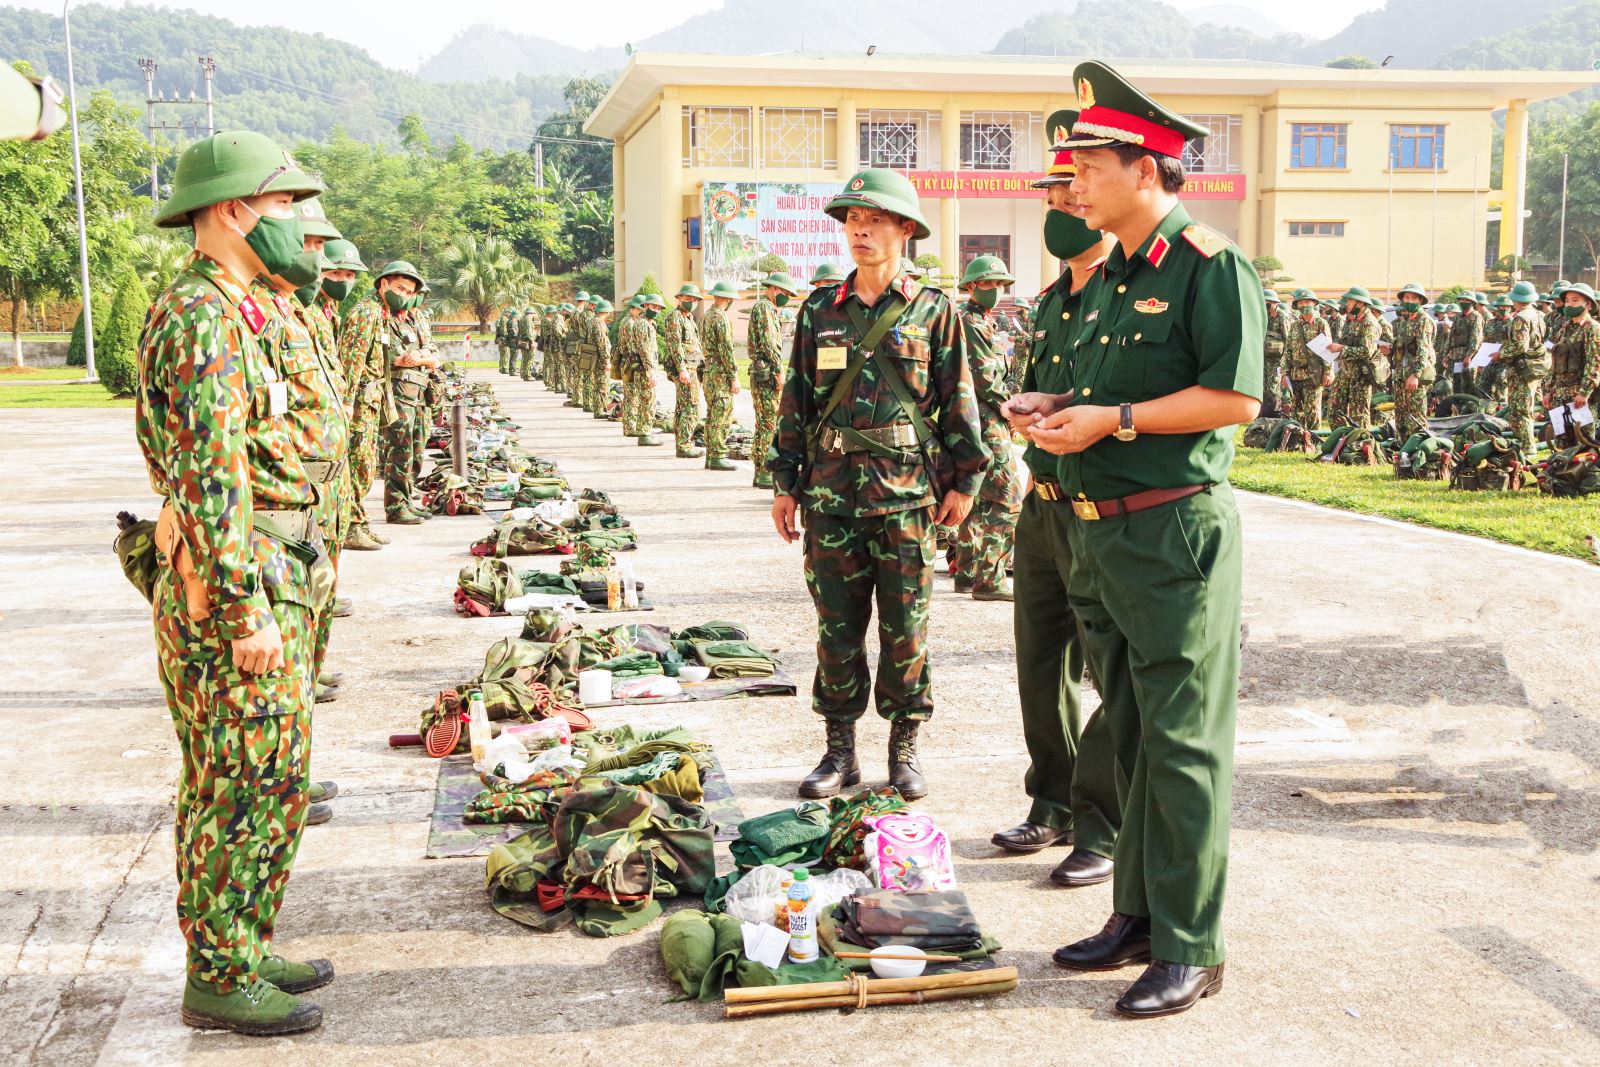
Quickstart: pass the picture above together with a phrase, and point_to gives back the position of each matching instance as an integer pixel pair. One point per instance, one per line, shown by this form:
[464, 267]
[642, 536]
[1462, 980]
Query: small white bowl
[693, 672]
[897, 968]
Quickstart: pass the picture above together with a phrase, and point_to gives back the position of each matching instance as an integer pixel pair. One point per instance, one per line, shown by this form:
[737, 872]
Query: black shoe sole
[1079, 883]
[1209, 991]
[1028, 850]
[298, 1023]
[853, 778]
[1109, 965]
[296, 988]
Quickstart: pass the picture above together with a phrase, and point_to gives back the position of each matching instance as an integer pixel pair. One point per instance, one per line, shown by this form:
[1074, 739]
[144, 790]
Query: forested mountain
[1144, 29]
[1418, 32]
[284, 83]
[484, 52]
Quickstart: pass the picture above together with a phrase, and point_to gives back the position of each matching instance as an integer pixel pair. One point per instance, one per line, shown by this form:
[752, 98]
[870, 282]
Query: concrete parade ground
[1414, 872]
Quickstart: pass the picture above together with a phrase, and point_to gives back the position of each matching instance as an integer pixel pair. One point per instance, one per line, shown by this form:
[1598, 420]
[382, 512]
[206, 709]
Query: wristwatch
[1125, 430]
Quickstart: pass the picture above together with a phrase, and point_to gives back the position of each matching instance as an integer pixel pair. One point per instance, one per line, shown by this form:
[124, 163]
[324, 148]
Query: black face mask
[651, 313]
[1068, 236]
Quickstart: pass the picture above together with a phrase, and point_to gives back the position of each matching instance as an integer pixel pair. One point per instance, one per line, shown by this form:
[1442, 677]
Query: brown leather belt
[1094, 510]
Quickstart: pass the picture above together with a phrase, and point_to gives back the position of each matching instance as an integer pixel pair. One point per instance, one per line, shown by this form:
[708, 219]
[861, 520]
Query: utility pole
[1561, 256]
[154, 98]
[150, 66]
[538, 165]
[208, 70]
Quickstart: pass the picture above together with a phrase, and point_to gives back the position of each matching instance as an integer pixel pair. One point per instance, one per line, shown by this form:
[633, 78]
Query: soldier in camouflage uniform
[1575, 373]
[600, 341]
[637, 363]
[1524, 363]
[1490, 380]
[851, 452]
[764, 342]
[1466, 337]
[530, 366]
[550, 344]
[1414, 363]
[681, 360]
[1273, 350]
[1357, 349]
[242, 579]
[502, 350]
[361, 356]
[980, 549]
[1308, 373]
[572, 371]
[401, 433]
[720, 375]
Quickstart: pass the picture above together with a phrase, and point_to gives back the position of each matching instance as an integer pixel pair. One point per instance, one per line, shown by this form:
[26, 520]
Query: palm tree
[157, 260]
[479, 276]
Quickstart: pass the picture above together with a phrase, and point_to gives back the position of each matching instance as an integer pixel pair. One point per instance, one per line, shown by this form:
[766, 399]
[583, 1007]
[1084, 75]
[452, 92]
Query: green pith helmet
[602, 306]
[1271, 296]
[1022, 303]
[827, 274]
[1111, 111]
[403, 269]
[532, 309]
[568, 309]
[551, 309]
[1584, 291]
[1480, 297]
[880, 190]
[1502, 301]
[313, 221]
[1359, 293]
[1562, 283]
[232, 166]
[1523, 293]
[1414, 288]
[343, 254]
[1558, 288]
[634, 301]
[582, 298]
[690, 290]
[986, 269]
[780, 280]
[725, 290]
[1466, 298]
[1302, 294]
[653, 300]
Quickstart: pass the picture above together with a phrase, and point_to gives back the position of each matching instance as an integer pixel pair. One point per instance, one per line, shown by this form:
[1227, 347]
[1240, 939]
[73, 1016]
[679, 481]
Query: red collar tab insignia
[1158, 251]
[1151, 306]
[283, 305]
[840, 292]
[253, 315]
[1206, 241]
[327, 311]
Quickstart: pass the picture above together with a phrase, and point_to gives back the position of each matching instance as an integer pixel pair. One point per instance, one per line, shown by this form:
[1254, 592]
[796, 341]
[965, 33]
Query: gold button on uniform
[1055, 359]
[1105, 339]
[1137, 336]
[1088, 392]
[1065, 315]
[1122, 288]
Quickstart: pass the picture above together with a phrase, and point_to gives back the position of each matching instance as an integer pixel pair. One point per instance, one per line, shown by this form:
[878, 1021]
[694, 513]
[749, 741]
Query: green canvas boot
[322, 792]
[718, 463]
[763, 480]
[292, 976]
[374, 535]
[691, 453]
[1002, 591]
[360, 539]
[649, 441]
[326, 694]
[404, 518]
[318, 814]
[963, 584]
[259, 1009]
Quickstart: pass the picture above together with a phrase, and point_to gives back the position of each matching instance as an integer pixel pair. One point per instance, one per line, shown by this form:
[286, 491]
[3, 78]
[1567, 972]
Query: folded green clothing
[630, 665]
[547, 582]
[734, 659]
[615, 739]
[715, 630]
[615, 540]
[704, 954]
[793, 837]
[649, 770]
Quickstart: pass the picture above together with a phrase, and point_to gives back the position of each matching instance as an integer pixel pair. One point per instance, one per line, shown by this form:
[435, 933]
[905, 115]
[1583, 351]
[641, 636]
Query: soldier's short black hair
[1168, 168]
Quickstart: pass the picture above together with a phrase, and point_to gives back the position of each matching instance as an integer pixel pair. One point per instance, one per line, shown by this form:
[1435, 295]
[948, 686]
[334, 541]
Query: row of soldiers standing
[1549, 354]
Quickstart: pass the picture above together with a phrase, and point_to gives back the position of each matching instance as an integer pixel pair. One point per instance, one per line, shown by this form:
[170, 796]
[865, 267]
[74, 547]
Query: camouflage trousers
[719, 416]
[1492, 383]
[686, 411]
[1351, 403]
[765, 397]
[980, 550]
[850, 563]
[402, 442]
[505, 353]
[1271, 373]
[571, 375]
[363, 464]
[1410, 410]
[638, 402]
[330, 512]
[1522, 408]
[1461, 380]
[528, 365]
[244, 742]
[552, 370]
[1307, 402]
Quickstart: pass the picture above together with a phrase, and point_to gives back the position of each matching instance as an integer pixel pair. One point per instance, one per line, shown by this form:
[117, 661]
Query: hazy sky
[401, 33]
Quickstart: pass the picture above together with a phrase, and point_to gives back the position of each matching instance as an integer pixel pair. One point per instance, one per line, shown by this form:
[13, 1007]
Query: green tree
[116, 352]
[1353, 61]
[477, 276]
[77, 349]
[1578, 138]
[157, 259]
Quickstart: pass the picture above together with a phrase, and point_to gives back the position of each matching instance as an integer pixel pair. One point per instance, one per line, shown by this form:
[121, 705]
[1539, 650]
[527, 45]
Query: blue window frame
[1317, 144]
[1416, 147]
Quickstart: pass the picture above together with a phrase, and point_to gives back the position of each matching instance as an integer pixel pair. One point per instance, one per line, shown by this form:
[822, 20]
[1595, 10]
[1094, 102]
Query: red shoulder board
[1206, 241]
[253, 316]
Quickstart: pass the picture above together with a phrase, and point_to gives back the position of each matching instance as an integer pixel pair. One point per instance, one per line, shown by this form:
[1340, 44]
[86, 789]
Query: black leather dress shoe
[1081, 868]
[1169, 988]
[1123, 940]
[1031, 837]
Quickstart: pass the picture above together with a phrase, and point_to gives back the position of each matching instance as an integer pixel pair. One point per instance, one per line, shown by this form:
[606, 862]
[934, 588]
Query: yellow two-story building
[1370, 177]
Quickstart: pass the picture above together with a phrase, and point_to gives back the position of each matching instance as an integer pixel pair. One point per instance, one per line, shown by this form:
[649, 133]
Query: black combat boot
[905, 774]
[838, 767]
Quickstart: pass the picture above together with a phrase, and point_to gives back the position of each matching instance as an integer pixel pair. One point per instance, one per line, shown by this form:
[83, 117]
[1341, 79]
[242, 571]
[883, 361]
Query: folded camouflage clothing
[673, 773]
[793, 837]
[846, 831]
[529, 801]
[940, 921]
[630, 665]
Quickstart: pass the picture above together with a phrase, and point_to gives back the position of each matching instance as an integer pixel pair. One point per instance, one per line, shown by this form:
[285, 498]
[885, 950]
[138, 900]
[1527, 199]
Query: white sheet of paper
[1486, 352]
[1319, 344]
[763, 943]
[1558, 420]
[1457, 367]
[1549, 346]
[1583, 416]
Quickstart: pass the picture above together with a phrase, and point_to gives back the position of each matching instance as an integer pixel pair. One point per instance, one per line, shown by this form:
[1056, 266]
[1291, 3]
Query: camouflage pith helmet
[1359, 293]
[880, 190]
[1413, 288]
[827, 274]
[653, 300]
[725, 291]
[232, 166]
[313, 221]
[1271, 296]
[690, 291]
[780, 280]
[1303, 294]
[403, 269]
[1523, 293]
[987, 269]
[344, 255]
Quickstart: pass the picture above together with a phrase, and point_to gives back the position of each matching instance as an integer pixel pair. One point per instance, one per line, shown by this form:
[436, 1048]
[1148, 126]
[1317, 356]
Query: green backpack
[1570, 472]
[135, 547]
[484, 586]
[1258, 432]
[1424, 457]
[1492, 464]
[533, 537]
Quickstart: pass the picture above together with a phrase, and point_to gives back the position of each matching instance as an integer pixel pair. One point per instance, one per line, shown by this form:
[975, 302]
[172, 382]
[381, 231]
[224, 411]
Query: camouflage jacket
[1413, 349]
[316, 417]
[990, 368]
[681, 339]
[927, 351]
[578, 340]
[1466, 337]
[644, 341]
[765, 338]
[1523, 352]
[1299, 362]
[532, 324]
[322, 315]
[553, 333]
[500, 323]
[209, 419]
[716, 337]
[1494, 330]
[1576, 370]
[600, 340]
[361, 357]
[1360, 338]
[1278, 321]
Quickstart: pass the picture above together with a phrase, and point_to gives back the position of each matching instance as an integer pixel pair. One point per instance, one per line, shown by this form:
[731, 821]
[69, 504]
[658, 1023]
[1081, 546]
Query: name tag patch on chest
[919, 332]
[277, 398]
[832, 357]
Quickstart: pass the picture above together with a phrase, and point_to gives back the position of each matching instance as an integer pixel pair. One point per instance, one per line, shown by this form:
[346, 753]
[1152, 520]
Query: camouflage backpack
[532, 537]
[484, 586]
[1494, 463]
[1424, 457]
[454, 496]
[1570, 472]
[1257, 433]
[1287, 435]
[135, 546]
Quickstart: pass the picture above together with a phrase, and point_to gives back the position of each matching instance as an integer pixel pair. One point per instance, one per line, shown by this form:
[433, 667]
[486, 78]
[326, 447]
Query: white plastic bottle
[802, 918]
[477, 725]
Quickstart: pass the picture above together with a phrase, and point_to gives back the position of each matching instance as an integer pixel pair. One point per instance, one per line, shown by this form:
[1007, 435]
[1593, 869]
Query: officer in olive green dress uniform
[1166, 363]
[1071, 775]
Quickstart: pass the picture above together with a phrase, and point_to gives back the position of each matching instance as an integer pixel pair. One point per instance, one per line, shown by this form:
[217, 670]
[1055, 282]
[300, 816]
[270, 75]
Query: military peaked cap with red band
[1111, 111]
[1059, 168]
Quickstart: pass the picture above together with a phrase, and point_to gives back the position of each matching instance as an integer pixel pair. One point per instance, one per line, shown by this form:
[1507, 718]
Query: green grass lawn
[1527, 518]
[60, 396]
[53, 374]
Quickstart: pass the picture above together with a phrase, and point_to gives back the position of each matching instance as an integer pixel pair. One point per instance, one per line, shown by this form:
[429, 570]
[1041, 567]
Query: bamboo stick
[874, 985]
[916, 996]
[883, 956]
